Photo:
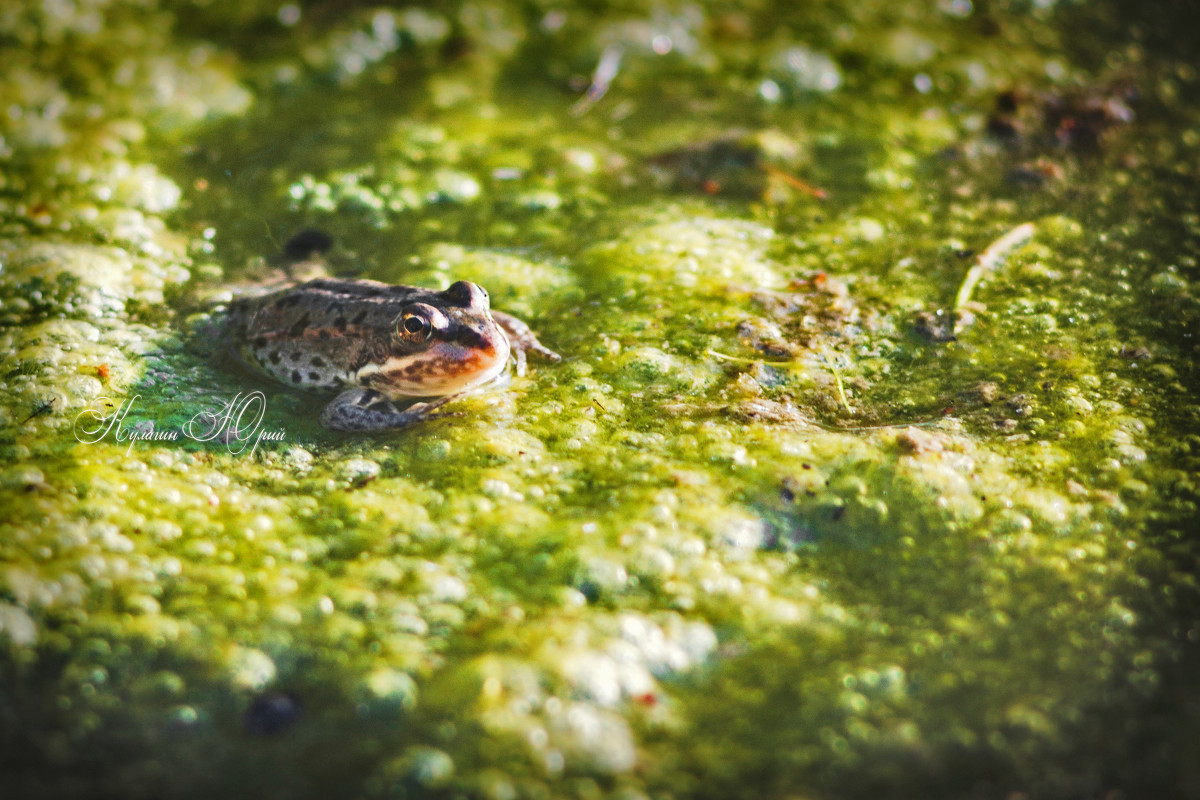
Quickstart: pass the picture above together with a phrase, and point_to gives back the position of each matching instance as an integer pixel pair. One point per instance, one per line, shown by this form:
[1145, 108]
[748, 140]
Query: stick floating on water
[796, 183]
[841, 390]
[606, 69]
[989, 261]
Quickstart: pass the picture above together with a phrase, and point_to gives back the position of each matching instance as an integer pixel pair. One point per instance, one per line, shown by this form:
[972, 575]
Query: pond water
[870, 467]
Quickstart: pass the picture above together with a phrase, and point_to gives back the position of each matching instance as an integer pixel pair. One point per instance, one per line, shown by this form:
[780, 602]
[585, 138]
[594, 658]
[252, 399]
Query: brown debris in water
[739, 164]
[1034, 139]
[1078, 121]
[811, 311]
[763, 410]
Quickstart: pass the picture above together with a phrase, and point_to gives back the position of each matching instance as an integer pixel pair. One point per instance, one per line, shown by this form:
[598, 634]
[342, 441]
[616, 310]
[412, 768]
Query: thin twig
[740, 360]
[841, 390]
[606, 69]
[796, 183]
[990, 260]
[42, 409]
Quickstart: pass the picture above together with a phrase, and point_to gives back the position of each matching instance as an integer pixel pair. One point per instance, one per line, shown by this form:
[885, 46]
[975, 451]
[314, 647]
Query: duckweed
[776, 526]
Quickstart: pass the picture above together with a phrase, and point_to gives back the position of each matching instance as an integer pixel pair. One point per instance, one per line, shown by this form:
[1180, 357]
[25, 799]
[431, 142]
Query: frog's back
[317, 335]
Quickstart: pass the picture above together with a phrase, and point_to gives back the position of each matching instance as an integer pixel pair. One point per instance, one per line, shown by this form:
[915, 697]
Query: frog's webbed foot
[522, 340]
[368, 410]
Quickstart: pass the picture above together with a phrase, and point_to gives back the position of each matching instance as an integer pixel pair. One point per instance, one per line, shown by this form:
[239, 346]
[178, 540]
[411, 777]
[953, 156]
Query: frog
[376, 344]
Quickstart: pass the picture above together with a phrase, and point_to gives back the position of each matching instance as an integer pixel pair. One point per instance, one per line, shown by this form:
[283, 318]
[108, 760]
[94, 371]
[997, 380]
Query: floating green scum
[869, 468]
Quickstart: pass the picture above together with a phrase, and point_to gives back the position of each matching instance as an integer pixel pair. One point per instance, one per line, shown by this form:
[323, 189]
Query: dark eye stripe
[467, 337]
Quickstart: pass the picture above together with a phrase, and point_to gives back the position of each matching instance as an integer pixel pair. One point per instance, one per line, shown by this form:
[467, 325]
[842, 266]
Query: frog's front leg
[521, 340]
[368, 410]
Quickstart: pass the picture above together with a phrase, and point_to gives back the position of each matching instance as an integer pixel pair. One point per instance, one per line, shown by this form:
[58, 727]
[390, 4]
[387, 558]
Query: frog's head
[444, 344]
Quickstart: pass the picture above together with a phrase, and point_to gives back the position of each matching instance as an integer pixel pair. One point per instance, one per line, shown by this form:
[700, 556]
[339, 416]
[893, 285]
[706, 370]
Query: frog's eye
[417, 322]
[414, 327]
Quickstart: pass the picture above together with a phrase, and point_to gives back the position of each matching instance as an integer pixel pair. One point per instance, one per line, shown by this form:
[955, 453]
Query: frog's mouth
[446, 368]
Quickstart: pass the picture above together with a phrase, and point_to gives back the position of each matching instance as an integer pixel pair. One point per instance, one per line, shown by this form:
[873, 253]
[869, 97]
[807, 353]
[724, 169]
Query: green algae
[676, 564]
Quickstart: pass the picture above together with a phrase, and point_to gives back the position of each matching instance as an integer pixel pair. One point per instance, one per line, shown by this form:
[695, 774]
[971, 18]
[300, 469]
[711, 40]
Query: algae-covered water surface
[870, 468]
